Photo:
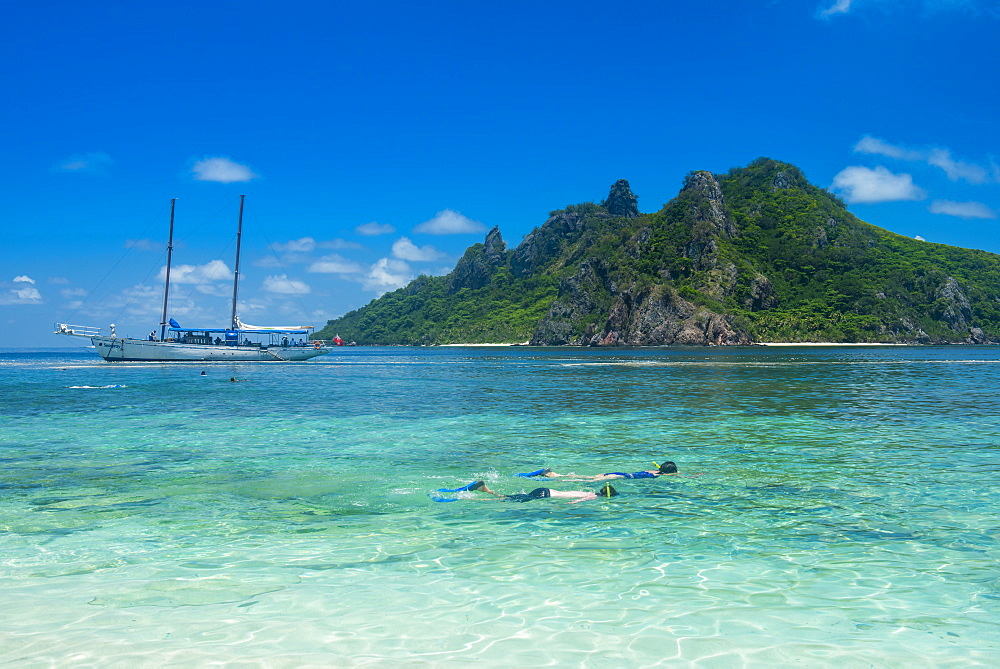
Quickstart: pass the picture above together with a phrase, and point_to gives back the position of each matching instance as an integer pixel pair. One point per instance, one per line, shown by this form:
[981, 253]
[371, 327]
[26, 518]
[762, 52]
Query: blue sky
[375, 141]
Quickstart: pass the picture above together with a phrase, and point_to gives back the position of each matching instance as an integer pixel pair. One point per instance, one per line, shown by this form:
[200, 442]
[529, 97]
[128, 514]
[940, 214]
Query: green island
[755, 255]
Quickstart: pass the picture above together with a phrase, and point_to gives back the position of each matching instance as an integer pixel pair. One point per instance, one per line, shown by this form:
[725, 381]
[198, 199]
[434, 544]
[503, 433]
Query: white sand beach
[826, 343]
[483, 345]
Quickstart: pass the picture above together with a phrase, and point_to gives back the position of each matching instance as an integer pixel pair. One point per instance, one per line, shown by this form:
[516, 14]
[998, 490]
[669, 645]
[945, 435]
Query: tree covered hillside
[757, 254]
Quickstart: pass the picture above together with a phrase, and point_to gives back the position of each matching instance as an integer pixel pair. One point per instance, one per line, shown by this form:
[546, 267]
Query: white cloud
[22, 292]
[303, 245]
[335, 264]
[72, 292]
[449, 222]
[222, 170]
[374, 228]
[282, 285]
[961, 209]
[215, 270]
[838, 7]
[930, 7]
[387, 274]
[920, 239]
[92, 163]
[215, 289]
[864, 185]
[299, 250]
[940, 158]
[338, 244]
[869, 144]
[404, 249]
[955, 169]
[29, 295]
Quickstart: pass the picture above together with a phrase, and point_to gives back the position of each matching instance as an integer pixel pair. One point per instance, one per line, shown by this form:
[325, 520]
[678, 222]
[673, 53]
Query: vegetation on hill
[424, 312]
[757, 254]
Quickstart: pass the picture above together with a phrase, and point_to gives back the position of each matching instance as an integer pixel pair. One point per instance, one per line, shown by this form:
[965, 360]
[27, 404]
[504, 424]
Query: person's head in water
[607, 490]
[668, 468]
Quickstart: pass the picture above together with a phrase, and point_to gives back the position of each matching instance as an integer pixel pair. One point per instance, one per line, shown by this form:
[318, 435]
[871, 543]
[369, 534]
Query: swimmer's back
[537, 493]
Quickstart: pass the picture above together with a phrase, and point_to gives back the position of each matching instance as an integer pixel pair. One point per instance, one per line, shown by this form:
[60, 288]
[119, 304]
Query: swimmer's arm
[589, 496]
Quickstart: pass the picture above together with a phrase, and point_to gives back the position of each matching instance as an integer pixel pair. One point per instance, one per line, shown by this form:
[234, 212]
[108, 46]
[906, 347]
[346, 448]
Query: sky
[376, 141]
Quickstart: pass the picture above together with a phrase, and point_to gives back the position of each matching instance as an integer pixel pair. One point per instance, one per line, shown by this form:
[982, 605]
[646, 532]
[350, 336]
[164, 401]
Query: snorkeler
[666, 469]
[607, 490]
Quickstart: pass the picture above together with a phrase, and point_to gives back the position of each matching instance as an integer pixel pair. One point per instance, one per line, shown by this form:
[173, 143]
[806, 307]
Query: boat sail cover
[243, 327]
[240, 325]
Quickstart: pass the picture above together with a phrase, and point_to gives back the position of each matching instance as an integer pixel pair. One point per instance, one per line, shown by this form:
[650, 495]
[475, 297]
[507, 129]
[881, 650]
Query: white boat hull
[242, 343]
[117, 349]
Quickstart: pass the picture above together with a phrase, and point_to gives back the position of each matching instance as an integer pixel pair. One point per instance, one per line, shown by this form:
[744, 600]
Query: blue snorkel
[462, 489]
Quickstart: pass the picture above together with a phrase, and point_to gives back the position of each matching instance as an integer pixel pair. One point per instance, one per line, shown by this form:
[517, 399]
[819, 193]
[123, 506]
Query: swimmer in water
[666, 469]
[607, 490]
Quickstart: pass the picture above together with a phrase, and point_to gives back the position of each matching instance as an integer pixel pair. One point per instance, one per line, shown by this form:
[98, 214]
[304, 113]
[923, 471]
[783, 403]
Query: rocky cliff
[756, 254]
[479, 264]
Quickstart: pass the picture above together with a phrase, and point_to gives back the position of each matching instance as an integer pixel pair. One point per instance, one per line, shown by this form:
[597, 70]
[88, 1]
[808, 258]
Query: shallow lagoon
[838, 508]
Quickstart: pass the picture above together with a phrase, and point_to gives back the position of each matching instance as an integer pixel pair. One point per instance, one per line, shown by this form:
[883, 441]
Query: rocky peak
[542, 244]
[704, 183]
[480, 262]
[622, 201]
[494, 247]
[709, 205]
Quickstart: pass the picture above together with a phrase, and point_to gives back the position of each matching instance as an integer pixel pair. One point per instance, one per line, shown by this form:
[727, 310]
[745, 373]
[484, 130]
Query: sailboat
[237, 343]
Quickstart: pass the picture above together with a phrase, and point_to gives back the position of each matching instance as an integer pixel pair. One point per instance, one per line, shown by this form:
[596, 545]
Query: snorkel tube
[470, 486]
[540, 472]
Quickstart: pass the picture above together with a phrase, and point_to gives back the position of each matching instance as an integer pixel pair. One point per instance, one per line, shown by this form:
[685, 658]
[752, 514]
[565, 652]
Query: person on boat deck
[152, 335]
[666, 469]
[607, 490]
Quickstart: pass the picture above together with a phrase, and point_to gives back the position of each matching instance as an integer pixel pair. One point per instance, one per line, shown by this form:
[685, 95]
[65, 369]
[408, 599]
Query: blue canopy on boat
[228, 330]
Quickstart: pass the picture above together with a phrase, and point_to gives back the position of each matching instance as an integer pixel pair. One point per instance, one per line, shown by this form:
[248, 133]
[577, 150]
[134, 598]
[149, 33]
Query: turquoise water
[838, 507]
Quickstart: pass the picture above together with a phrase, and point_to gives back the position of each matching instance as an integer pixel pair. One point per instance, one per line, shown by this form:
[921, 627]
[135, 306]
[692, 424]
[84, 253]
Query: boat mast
[166, 284]
[236, 272]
